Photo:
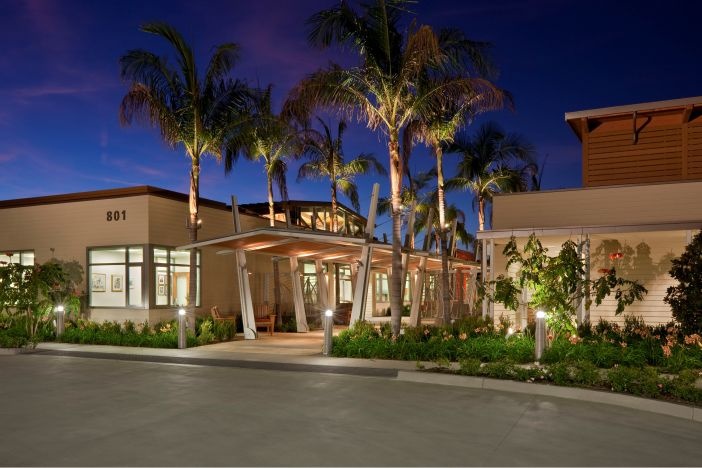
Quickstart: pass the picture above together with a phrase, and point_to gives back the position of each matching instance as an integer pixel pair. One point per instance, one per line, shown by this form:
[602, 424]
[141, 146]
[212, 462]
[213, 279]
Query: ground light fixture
[540, 338]
[60, 320]
[328, 331]
[182, 335]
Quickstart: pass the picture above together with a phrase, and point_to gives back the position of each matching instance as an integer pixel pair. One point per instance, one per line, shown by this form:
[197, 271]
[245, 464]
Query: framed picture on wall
[161, 290]
[117, 283]
[98, 282]
[161, 280]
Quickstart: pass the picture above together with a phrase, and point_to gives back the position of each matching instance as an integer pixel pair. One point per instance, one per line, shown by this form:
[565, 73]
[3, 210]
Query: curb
[14, 351]
[581, 394]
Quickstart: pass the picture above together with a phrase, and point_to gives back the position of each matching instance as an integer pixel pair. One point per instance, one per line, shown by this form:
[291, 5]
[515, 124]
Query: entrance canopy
[327, 247]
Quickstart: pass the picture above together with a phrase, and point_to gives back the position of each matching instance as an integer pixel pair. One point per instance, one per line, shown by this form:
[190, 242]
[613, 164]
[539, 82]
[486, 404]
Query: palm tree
[269, 138]
[196, 112]
[326, 161]
[489, 165]
[383, 90]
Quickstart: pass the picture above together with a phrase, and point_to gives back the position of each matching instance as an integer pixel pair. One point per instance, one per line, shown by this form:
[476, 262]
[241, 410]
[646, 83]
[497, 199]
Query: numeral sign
[116, 215]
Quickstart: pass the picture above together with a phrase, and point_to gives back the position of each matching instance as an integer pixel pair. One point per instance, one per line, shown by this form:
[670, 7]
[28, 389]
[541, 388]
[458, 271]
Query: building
[640, 203]
[130, 241]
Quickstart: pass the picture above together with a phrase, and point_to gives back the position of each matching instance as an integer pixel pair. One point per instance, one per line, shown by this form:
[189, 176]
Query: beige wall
[623, 205]
[646, 259]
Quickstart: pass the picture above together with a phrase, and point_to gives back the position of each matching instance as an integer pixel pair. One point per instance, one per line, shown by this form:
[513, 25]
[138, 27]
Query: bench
[217, 317]
[263, 318]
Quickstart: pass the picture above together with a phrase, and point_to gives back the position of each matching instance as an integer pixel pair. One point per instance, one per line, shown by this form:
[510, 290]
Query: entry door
[179, 289]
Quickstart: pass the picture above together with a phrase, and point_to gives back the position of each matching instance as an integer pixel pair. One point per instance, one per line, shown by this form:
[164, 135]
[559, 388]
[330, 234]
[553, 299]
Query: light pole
[328, 332]
[60, 320]
[182, 335]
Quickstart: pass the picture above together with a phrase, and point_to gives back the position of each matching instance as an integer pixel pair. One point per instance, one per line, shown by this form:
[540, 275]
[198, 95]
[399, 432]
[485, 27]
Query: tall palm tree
[270, 138]
[382, 90]
[491, 162]
[196, 112]
[326, 161]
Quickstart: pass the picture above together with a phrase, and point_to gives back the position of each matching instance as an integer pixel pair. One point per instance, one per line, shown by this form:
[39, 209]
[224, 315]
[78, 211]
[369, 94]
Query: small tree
[558, 283]
[29, 293]
[685, 299]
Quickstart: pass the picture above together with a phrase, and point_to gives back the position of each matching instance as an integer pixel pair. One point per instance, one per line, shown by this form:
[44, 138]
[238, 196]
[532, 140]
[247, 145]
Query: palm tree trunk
[396, 278]
[194, 201]
[271, 210]
[481, 213]
[335, 227]
[445, 297]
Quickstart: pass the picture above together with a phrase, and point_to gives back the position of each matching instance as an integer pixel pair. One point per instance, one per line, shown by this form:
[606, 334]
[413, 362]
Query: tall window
[309, 282]
[172, 277]
[345, 291]
[115, 276]
[22, 257]
[382, 291]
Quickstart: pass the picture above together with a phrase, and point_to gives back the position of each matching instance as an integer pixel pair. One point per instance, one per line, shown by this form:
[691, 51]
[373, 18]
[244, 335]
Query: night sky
[60, 88]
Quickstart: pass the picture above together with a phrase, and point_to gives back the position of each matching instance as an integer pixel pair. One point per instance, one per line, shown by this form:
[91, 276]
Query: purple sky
[60, 87]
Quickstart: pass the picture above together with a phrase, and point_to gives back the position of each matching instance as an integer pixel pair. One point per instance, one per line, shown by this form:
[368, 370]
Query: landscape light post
[182, 335]
[328, 332]
[60, 320]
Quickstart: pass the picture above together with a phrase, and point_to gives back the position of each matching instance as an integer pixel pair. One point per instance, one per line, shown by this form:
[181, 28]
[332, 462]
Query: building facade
[640, 204]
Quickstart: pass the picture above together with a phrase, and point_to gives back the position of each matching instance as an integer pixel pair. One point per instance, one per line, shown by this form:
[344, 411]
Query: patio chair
[217, 317]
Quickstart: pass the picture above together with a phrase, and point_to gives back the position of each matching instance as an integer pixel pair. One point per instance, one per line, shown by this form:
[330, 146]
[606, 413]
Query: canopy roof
[324, 246]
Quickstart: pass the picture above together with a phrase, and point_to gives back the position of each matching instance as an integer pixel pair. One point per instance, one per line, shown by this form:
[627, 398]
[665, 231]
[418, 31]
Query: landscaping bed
[654, 362]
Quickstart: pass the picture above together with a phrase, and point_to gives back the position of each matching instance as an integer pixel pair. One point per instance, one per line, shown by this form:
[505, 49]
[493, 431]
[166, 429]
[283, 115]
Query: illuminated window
[345, 291]
[22, 257]
[382, 291]
[115, 276]
[172, 277]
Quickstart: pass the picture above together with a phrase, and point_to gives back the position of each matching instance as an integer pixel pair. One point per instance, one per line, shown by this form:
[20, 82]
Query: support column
[491, 269]
[585, 314]
[298, 299]
[242, 272]
[415, 318]
[331, 285]
[408, 245]
[360, 290]
[483, 275]
[322, 292]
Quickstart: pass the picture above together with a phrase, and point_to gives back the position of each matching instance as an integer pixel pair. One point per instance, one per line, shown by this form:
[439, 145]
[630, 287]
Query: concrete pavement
[61, 410]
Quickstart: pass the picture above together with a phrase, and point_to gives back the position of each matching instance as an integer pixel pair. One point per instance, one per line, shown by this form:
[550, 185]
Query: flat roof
[599, 187]
[629, 108]
[107, 194]
[580, 230]
[316, 245]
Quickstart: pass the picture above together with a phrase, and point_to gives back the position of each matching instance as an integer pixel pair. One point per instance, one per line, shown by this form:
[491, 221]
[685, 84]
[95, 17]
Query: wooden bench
[263, 318]
[217, 317]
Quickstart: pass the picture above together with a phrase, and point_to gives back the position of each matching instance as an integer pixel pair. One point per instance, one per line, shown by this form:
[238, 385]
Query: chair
[263, 318]
[217, 317]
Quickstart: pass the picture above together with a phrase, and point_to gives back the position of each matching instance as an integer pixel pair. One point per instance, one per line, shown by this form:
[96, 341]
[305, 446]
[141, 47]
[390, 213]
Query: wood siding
[626, 150]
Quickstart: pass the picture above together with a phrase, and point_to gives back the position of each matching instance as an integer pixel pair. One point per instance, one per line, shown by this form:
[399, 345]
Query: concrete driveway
[59, 411]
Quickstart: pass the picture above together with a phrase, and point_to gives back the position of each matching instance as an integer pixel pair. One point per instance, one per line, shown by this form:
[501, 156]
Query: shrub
[685, 299]
[469, 366]
[643, 382]
[683, 386]
[578, 373]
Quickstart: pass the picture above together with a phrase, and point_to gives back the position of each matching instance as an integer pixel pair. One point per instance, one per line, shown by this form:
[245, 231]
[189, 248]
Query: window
[345, 291]
[309, 283]
[172, 277]
[23, 257]
[382, 292]
[115, 276]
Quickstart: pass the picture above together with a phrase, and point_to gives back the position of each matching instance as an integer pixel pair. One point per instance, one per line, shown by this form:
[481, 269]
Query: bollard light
[540, 338]
[328, 332]
[60, 320]
[182, 335]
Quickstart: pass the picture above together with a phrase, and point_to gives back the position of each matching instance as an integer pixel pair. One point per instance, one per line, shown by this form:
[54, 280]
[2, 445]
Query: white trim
[579, 230]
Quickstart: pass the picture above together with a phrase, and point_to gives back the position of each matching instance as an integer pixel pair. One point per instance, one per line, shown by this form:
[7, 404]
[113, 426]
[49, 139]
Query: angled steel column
[415, 319]
[491, 269]
[361, 289]
[585, 314]
[483, 275]
[298, 300]
[322, 292]
[242, 273]
[409, 246]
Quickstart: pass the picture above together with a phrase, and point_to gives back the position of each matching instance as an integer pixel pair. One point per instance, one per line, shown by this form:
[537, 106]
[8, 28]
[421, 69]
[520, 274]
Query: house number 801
[117, 215]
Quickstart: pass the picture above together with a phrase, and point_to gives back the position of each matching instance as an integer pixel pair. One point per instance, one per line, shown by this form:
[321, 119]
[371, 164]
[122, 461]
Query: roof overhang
[577, 120]
[581, 230]
[308, 245]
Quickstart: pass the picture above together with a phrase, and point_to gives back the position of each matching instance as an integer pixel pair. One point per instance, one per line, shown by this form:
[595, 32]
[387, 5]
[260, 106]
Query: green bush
[643, 382]
[581, 373]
